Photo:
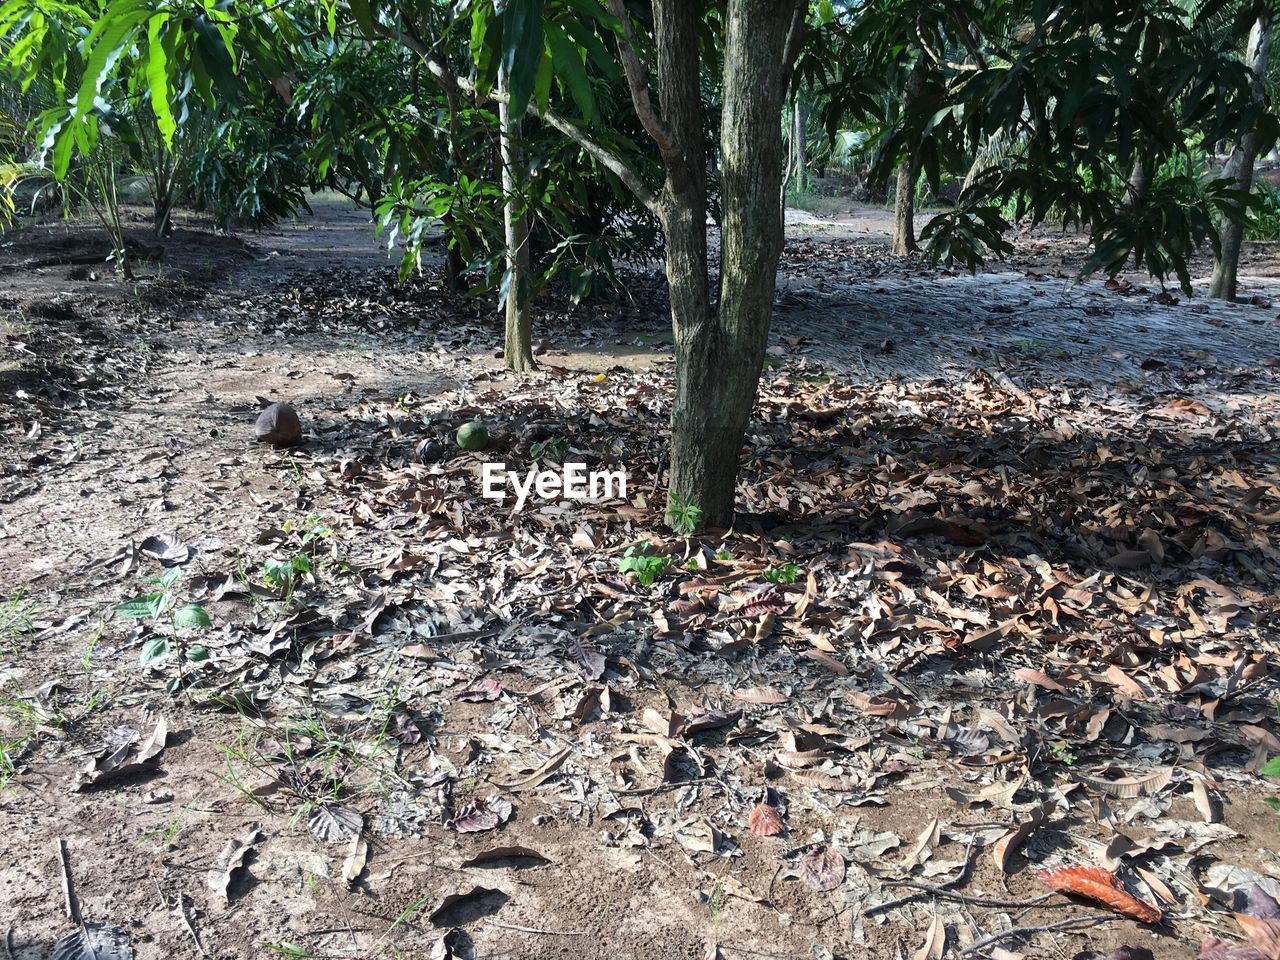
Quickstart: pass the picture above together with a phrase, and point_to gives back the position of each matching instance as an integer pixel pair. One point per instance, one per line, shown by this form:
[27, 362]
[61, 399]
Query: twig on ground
[8, 944]
[68, 887]
[181, 910]
[941, 889]
[994, 938]
[927, 889]
[549, 933]
[660, 788]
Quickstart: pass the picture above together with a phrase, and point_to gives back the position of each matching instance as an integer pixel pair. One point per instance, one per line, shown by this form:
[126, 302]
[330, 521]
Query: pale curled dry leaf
[231, 863]
[94, 941]
[333, 823]
[125, 760]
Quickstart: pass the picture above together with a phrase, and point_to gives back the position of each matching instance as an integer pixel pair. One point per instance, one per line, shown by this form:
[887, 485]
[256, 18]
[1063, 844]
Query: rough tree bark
[719, 352]
[518, 344]
[904, 196]
[904, 210]
[1239, 167]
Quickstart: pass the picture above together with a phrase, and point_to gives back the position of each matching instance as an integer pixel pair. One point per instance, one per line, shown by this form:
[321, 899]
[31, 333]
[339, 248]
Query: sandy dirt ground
[947, 695]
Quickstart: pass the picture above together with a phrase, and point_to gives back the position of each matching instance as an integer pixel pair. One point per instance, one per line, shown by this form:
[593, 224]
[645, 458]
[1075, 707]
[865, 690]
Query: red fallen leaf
[765, 600]
[482, 691]
[1259, 301]
[765, 821]
[877, 706]
[1100, 885]
[1181, 408]
[684, 608]
[1165, 298]
[1264, 935]
[1215, 949]
[1039, 678]
[478, 816]
[822, 868]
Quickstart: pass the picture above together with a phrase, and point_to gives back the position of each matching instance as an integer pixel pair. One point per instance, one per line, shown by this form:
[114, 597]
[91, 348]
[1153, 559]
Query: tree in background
[1238, 170]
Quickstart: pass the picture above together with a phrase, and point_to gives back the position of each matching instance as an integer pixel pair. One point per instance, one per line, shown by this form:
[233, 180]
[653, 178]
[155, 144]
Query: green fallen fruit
[473, 436]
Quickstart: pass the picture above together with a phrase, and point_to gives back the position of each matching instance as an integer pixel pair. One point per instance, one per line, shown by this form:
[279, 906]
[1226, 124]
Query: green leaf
[158, 77]
[363, 15]
[1271, 768]
[541, 91]
[110, 36]
[141, 607]
[571, 71]
[155, 649]
[191, 617]
[521, 50]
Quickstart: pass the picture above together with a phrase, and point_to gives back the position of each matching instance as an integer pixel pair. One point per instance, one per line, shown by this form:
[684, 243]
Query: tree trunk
[454, 265]
[1239, 167]
[454, 269]
[1139, 185]
[904, 211]
[802, 146]
[518, 343]
[719, 355]
[904, 194]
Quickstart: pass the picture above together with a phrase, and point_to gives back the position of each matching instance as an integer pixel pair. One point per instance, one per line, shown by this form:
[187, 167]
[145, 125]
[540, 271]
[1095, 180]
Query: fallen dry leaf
[1098, 885]
[765, 821]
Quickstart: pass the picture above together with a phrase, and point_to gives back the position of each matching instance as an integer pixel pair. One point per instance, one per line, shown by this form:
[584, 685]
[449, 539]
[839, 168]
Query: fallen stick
[68, 887]
[929, 890]
[994, 938]
[944, 888]
[549, 933]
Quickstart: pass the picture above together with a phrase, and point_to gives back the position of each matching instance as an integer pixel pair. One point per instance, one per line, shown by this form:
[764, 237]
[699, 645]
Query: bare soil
[963, 470]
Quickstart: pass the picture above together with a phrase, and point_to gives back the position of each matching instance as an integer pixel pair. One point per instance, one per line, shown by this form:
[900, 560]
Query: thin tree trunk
[518, 343]
[1239, 167]
[719, 356]
[802, 146]
[904, 195]
[904, 211]
[1139, 185]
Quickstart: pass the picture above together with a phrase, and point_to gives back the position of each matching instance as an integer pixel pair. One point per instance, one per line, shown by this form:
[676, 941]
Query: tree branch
[638, 83]
[795, 37]
[940, 60]
[606, 157]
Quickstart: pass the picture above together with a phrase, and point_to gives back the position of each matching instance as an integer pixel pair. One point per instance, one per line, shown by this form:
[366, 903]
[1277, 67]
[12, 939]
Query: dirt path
[1006, 543]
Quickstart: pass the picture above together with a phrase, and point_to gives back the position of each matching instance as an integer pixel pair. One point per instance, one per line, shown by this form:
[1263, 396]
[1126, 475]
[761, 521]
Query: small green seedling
[283, 575]
[553, 449]
[647, 567]
[683, 516]
[182, 621]
[1064, 754]
[783, 573]
[723, 556]
[1272, 769]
